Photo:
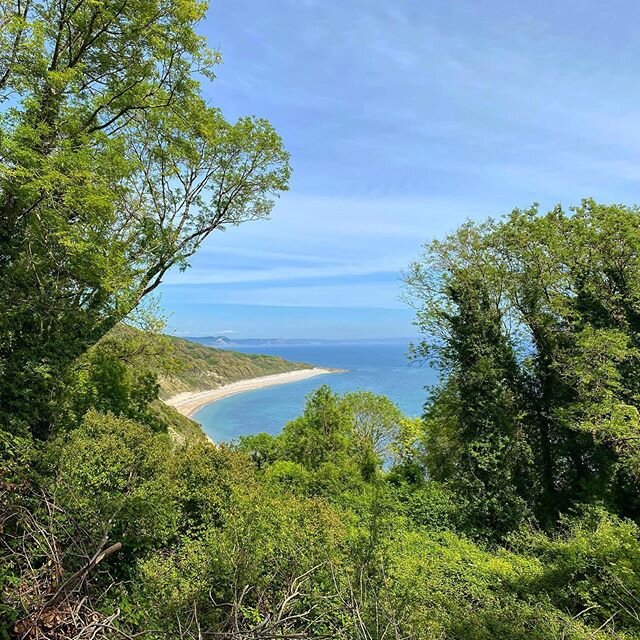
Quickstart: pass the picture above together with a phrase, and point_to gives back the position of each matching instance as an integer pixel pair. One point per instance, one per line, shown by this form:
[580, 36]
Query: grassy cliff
[179, 427]
[198, 368]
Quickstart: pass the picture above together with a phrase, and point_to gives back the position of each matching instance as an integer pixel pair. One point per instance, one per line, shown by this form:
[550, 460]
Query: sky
[403, 119]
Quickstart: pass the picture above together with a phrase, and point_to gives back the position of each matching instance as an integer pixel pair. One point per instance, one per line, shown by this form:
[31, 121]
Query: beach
[187, 403]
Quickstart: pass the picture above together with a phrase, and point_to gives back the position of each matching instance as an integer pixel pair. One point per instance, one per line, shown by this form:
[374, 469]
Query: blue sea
[380, 368]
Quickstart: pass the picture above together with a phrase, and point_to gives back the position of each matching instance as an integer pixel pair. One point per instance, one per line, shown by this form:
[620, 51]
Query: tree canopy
[113, 170]
[534, 321]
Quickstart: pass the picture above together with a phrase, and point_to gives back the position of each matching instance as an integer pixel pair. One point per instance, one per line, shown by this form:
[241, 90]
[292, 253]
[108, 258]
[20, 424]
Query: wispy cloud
[207, 275]
[406, 118]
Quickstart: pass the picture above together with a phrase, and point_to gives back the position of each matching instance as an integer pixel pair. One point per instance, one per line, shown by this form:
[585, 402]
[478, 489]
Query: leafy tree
[560, 292]
[375, 426]
[112, 171]
[336, 437]
[119, 375]
[490, 458]
[320, 434]
[262, 448]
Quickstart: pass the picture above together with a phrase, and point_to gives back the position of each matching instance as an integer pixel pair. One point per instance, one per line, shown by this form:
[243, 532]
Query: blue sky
[403, 119]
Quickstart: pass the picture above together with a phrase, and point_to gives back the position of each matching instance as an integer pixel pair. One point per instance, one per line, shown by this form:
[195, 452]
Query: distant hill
[226, 342]
[199, 367]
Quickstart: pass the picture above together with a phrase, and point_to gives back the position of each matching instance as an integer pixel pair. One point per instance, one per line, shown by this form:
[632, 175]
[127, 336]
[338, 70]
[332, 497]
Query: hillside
[179, 427]
[226, 342]
[198, 367]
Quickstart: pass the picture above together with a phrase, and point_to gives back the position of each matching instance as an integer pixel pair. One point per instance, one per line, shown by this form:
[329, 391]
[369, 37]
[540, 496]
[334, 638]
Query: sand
[188, 403]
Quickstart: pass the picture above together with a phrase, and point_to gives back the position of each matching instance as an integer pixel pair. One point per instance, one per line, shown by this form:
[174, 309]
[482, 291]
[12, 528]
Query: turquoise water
[380, 368]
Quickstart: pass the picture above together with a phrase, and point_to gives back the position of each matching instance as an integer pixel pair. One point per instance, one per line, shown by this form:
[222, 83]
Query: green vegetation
[114, 170]
[198, 368]
[331, 529]
[535, 320]
[509, 510]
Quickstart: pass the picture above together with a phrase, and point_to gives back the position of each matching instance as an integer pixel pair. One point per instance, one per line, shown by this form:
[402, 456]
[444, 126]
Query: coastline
[188, 402]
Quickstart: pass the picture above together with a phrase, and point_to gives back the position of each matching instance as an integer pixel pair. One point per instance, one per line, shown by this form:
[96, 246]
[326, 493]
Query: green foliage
[319, 435]
[291, 476]
[534, 320]
[510, 511]
[216, 542]
[117, 375]
[266, 543]
[113, 170]
[444, 586]
[490, 456]
[430, 505]
[357, 432]
[202, 478]
[112, 470]
[262, 448]
[592, 568]
[17, 455]
[375, 425]
[407, 450]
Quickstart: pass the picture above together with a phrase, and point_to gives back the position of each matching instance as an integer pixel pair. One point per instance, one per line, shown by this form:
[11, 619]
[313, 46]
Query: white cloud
[320, 238]
[230, 276]
[383, 295]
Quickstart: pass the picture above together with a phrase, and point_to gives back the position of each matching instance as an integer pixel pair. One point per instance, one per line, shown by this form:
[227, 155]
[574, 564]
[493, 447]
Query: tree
[375, 425]
[112, 171]
[489, 461]
[571, 280]
[320, 434]
[542, 312]
[119, 375]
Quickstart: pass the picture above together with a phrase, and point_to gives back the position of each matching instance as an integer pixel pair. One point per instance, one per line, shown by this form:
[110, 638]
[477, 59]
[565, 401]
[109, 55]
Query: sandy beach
[188, 402]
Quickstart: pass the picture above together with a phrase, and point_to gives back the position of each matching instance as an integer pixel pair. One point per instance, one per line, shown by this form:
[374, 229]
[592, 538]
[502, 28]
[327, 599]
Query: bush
[111, 474]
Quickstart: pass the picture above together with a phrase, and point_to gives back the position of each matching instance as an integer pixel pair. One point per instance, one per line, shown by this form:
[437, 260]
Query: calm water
[380, 368]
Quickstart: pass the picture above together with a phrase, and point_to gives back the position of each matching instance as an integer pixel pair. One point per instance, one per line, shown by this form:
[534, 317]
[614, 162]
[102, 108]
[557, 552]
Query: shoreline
[188, 402]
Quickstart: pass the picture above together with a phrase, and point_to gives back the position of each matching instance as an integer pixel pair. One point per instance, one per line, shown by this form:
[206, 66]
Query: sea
[381, 368]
